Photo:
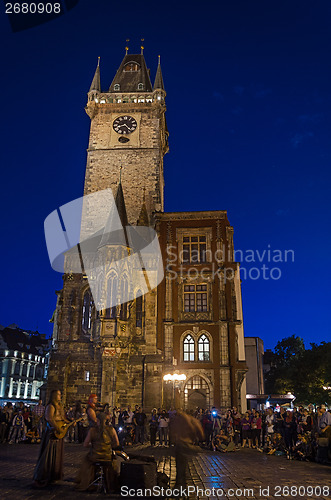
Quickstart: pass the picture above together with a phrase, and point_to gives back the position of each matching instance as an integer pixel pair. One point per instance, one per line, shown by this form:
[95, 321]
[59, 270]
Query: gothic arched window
[124, 298]
[189, 348]
[204, 348]
[139, 311]
[117, 86]
[87, 312]
[140, 86]
[111, 296]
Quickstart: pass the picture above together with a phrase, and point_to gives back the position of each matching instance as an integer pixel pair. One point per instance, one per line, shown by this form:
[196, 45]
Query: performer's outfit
[49, 466]
[100, 451]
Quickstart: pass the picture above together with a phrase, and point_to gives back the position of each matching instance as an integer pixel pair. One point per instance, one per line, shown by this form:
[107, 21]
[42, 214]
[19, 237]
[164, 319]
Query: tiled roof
[128, 81]
[158, 84]
[17, 339]
[96, 85]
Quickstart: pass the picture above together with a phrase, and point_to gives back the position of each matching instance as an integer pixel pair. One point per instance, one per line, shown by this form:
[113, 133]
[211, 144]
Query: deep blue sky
[249, 98]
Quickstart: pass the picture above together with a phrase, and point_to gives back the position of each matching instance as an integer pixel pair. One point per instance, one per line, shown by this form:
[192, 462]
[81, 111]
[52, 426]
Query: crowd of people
[21, 423]
[302, 433]
[295, 433]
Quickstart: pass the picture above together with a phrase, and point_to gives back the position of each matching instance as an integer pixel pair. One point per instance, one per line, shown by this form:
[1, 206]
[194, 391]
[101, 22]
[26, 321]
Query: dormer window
[131, 66]
[140, 86]
[117, 87]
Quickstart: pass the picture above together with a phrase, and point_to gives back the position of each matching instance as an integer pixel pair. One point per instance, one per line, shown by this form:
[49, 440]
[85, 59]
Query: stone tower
[192, 322]
[128, 130]
[113, 352]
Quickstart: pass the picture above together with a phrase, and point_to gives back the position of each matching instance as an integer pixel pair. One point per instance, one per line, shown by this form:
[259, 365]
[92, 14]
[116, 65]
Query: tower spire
[158, 84]
[143, 219]
[96, 85]
[142, 46]
[127, 46]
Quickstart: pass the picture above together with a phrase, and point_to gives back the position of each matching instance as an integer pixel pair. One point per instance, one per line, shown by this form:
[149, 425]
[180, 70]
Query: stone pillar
[26, 390]
[10, 393]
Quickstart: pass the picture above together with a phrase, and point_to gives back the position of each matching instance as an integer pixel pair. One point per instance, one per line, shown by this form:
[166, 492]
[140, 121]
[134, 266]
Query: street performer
[49, 466]
[185, 430]
[92, 410]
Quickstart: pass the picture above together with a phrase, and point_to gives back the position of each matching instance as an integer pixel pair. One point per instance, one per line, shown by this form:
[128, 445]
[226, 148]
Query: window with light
[195, 298]
[194, 249]
[203, 348]
[189, 348]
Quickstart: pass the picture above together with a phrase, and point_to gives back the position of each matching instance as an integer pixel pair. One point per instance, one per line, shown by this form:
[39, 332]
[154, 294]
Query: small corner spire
[127, 46]
[142, 46]
[96, 85]
[143, 219]
[158, 84]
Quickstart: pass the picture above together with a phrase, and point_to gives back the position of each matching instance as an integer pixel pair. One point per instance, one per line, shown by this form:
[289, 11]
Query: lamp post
[174, 378]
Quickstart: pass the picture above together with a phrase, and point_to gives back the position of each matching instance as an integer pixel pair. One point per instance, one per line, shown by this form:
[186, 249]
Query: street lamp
[175, 377]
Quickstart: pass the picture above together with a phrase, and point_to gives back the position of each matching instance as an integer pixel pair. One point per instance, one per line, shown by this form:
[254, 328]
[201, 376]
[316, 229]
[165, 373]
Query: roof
[143, 219]
[112, 234]
[158, 84]
[128, 81]
[16, 339]
[96, 85]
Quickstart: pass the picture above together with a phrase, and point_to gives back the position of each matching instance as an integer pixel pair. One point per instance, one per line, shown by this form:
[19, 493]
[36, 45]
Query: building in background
[24, 359]
[254, 351]
[192, 323]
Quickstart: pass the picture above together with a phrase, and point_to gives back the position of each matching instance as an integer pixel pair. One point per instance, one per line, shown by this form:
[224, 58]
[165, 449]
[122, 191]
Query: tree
[303, 372]
[288, 348]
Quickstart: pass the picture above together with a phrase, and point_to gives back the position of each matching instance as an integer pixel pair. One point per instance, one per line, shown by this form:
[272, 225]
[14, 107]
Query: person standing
[290, 427]
[185, 430]
[139, 421]
[38, 413]
[91, 410]
[17, 428]
[256, 426]
[153, 425]
[246, 430]
[163, 428]
[49, 467]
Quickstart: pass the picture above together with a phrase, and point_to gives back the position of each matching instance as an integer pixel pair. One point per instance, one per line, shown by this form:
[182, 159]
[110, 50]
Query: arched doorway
[196, 393]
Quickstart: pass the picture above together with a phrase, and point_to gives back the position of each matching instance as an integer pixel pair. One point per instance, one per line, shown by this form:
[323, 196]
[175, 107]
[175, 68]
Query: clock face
[125, 124]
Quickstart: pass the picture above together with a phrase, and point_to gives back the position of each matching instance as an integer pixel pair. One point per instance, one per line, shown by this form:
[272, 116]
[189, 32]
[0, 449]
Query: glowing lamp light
[175, 377]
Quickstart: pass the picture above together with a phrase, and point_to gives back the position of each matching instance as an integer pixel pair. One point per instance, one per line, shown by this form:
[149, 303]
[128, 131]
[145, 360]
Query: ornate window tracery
[189, 348]
[111, 296]
[87, 312]
[139, 311]
[203, 348]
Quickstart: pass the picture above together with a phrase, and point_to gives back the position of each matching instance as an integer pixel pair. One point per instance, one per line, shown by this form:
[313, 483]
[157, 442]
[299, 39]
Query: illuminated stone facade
[122, 354]
[24, 363]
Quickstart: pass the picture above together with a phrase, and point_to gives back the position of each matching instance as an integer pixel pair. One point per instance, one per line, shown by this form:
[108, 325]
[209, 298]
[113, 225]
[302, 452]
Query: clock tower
[128, 130]
[189, 327]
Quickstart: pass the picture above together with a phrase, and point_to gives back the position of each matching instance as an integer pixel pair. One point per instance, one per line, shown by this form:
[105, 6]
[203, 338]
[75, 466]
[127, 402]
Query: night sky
[248, 107]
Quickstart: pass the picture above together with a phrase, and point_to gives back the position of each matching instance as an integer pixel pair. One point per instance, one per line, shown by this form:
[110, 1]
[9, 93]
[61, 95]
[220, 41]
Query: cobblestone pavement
[239, 475]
